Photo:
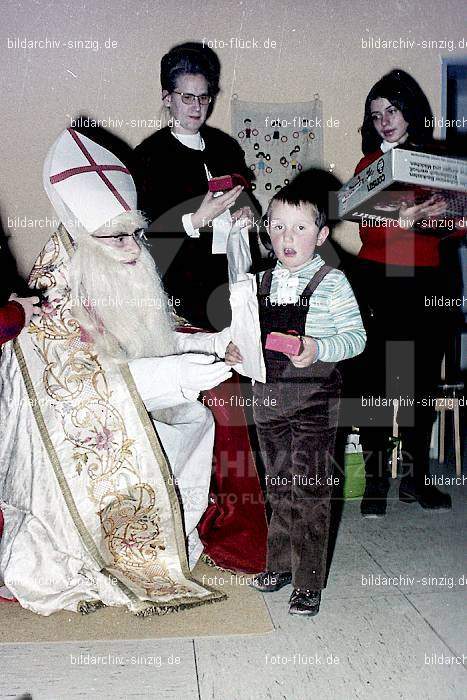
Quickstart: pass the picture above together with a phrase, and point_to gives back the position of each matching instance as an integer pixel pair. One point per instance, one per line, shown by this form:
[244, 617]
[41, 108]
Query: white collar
[280, 271]
[386, 146]
[193, 141]
[289, 282]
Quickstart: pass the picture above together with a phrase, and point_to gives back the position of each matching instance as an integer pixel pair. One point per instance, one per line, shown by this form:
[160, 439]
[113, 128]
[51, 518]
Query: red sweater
[393, 245]
[11, 321]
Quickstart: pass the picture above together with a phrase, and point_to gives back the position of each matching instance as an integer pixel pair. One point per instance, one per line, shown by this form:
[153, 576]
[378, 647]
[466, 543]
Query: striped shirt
[333, 318]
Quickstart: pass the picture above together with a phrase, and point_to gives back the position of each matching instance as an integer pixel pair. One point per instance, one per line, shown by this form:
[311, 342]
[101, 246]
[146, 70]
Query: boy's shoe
[429, 497]
[304, 602]
[270, 581]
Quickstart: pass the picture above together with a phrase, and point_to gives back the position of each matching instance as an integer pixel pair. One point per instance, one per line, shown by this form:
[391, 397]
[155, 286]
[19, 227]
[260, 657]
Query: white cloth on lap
[245, 327]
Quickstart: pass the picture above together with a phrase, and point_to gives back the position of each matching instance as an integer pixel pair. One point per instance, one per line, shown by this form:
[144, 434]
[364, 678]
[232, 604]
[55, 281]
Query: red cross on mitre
[93, 167]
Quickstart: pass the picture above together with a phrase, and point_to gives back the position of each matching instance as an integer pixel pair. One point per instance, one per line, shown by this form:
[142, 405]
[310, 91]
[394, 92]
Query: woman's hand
[28, 304]
[212, 206]
[308, 354]
[432, 208]
[232, 355]
[243, 213]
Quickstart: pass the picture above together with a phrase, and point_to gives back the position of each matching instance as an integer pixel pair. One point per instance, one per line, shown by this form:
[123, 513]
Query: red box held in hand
[226, 182]
[284, 342]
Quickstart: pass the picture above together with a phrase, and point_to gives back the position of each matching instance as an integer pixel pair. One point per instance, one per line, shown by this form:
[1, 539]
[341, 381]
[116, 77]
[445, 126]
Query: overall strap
[264, 286]
[315, 281]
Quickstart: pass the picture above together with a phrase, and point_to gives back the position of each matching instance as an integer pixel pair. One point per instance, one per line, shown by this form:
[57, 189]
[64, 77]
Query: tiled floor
[373, 639]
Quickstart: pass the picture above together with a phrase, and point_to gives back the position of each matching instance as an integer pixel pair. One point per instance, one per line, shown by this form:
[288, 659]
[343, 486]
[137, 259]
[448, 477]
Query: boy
[296, 410]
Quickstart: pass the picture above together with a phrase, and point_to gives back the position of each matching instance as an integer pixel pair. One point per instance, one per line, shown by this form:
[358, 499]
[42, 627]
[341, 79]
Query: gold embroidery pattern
[41, 276]
[79, 393]
[132, 527]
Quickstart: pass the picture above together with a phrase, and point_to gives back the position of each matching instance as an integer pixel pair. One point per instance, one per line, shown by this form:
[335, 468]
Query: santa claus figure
[106, 454]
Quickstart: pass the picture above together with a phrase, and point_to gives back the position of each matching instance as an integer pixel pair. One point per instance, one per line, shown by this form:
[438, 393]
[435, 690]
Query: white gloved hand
[198, 372]
[206, 343]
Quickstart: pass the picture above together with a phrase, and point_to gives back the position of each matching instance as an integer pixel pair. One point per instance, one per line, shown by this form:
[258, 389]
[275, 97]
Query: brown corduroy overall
[296, 413]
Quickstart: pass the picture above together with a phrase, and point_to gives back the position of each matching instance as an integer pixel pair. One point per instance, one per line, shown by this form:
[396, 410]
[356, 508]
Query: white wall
[319, 49]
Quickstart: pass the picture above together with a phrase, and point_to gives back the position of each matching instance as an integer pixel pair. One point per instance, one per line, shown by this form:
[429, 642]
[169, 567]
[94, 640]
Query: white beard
[123, 307]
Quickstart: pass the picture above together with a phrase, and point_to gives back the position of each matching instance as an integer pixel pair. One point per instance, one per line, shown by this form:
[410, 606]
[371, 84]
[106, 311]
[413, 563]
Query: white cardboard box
[402, 175]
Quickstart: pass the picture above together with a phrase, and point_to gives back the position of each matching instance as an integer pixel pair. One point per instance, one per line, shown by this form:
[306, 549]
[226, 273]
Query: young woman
[171, 170]
[396, 272]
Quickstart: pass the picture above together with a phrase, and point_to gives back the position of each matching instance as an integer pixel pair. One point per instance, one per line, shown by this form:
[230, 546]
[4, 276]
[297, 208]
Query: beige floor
[243, 612]
[370, 641]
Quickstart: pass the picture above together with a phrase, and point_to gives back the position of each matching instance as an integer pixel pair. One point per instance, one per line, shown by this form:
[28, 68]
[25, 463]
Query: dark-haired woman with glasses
[171, 169]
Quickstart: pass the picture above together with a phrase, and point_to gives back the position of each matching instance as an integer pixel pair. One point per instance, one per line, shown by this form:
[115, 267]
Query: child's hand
[232, 355]
[308, 354]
